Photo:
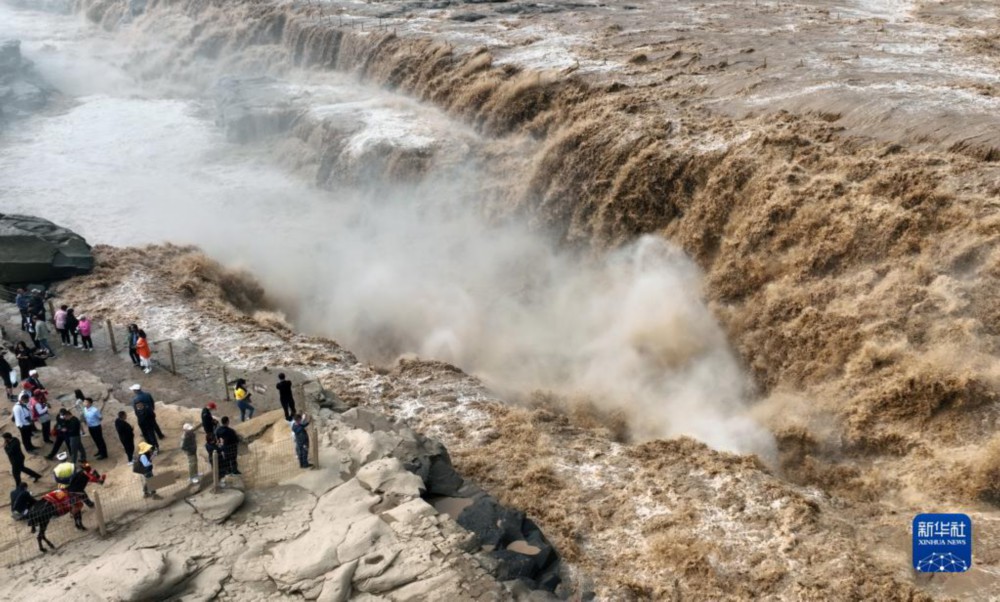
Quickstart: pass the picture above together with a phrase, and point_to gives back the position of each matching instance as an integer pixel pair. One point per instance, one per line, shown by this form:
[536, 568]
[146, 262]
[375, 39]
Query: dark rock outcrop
[33, 249]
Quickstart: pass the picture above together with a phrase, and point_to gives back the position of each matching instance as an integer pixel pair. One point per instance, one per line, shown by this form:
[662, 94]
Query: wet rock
[34, 249]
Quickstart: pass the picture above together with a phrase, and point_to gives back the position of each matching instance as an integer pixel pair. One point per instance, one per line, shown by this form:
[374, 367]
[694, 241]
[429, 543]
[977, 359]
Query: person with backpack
[126, 434]
[284, 388]
[243, 401]
[143, 465]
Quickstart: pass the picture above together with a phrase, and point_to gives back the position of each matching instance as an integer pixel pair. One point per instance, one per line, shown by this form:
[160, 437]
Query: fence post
[99, 511]
[225, 381]
[214, 459]
[314, 446]
[173, 365]
[111, 336]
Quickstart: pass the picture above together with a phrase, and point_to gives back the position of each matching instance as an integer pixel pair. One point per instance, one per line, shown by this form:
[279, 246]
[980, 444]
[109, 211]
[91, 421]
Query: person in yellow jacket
[63, 471]
[243, 400]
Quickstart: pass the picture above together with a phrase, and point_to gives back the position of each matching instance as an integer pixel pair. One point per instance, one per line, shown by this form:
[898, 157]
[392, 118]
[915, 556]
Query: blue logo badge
[942, 543]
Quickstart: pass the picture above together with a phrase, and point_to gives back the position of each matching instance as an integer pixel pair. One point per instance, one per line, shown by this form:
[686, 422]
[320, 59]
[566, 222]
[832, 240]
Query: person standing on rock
[284, 388]
[72, 324]
[60, 322]
[142, 349]
[42, 337]
[228, 441]
[126, 434]
[243, 401]
[147, 399]
[144, 417]
[84, 328]
[300, 430]
[5, 370]
[21, 300]
[189, 445]
[12, 447]
[208, 422]
[22, 420]
[92, 416]
[143, 465]
[133, 338]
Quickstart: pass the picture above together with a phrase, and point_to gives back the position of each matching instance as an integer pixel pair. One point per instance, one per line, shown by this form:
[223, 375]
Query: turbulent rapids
[653, 238]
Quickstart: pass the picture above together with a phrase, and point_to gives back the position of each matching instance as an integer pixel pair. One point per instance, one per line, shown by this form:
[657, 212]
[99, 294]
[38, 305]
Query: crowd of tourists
[33, 416]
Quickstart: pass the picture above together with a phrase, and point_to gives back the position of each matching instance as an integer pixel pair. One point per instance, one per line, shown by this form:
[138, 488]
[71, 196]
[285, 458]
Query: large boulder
[33, 249]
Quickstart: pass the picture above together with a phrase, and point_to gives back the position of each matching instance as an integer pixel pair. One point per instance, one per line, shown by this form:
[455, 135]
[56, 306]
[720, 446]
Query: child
[84, 328]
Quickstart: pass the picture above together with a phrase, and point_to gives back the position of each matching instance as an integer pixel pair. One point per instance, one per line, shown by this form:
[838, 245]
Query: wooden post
[314, 446]
[111, 337]
[99, 511]
[225, 381]
[173, 365]
[214, 459]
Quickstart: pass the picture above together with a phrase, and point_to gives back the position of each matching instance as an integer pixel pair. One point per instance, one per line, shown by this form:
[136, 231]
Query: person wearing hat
[32, 383]
[126, 434]
[189, 445]
[145, 398]
[12, 447]
[143, 465]
[93, 418]
[63, 472]
[22, 420]
[5, 370]
[208, 422]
